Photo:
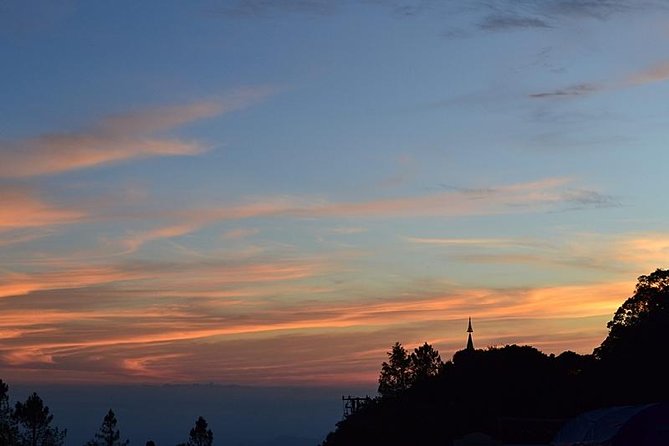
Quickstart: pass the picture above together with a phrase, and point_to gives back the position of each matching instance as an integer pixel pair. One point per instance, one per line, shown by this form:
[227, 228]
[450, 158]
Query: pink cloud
[162, 341]
[22, 208]
[656, 73]
[117, 138]
[240, 233]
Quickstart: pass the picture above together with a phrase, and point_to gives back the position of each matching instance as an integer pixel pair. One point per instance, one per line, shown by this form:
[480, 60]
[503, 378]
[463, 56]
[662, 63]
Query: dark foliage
[425, 363]
[639, 321]
[108, 434]
[404, 370]
[200, 435]
[8, 432]
[395, 376]
[634, 351]
[33, 421]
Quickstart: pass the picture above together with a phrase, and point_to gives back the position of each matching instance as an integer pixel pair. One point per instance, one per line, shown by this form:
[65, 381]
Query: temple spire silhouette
[470, 330]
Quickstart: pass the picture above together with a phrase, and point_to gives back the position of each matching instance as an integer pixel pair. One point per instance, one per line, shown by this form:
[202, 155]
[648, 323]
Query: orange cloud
[656, 73]
[483, 242]
[116, 138]
[21, 208]
[13, 237]
[614, 254]
[20, 283]
[157, 339]
[240, 233]
[134, 241]
[233, 320]
[516, 198]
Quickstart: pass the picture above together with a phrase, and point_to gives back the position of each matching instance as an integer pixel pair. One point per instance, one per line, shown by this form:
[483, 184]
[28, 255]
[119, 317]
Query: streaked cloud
[21, 283]
[134, 241]
[179, 314]
[506, 22]
[117, 138]
[534, 196]
[22, 207]
[158, 341]
[15, 237]
[571, 91]
[655, 73]
[617, 254]
[497, 16]
[545, 195]
[348, 230]
[478, 242]
[262, 8]
[239, 233]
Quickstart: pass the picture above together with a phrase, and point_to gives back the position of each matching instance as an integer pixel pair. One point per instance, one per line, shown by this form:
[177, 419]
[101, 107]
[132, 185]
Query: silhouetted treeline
[517, 393]
[29, 423]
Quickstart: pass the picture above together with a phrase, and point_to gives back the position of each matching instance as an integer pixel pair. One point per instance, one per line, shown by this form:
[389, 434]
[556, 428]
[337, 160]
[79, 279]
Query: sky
[271, 193]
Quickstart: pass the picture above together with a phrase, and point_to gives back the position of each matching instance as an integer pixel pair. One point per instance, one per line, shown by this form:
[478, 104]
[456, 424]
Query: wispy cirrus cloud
[180, 277]
[653, 74]
[107, 143]
[132, 242]
[264, 8]
[611, 255]
[240, 233]
[535, 196]
[177, 314]
[22, 207]
[22, 283]
[656, 73]
[545, 195]
[15, 237]
[475, 242]
[130, 136]
[187, 331]
[531, 14]
[507, 22]
[489, 16]
[571, 91]
[348, 230]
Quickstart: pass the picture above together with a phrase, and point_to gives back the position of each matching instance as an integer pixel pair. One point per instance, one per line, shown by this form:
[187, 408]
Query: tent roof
[597, 426]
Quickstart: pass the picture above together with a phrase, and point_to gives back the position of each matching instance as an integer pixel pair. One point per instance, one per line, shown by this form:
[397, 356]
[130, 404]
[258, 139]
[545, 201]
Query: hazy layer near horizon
[238, 415]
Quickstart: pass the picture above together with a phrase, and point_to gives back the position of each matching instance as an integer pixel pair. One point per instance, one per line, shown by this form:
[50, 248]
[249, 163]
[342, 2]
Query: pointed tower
[470, 343]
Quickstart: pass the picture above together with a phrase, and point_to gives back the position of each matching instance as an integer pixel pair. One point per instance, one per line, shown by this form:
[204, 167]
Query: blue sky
[279, 190]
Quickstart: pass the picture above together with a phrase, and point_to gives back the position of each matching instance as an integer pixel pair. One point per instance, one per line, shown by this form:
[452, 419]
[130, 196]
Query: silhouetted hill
[519, 394]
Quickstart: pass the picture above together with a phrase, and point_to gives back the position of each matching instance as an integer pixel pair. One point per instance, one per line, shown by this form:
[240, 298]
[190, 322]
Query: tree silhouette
[641, 321]
[7, 424]
[396, 374]
[425, 362]
[632, 357]
[34, 424]
[108, 434]
[200, 435]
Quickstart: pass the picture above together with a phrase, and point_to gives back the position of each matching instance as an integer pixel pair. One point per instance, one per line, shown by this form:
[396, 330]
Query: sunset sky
[274, 192]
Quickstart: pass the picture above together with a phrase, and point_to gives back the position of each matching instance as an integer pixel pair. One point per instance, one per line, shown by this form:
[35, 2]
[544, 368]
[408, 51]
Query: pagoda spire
[470, 330]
